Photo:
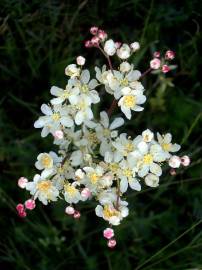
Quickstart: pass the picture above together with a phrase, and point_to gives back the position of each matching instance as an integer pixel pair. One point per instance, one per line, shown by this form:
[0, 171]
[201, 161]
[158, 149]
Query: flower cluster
[95, 161]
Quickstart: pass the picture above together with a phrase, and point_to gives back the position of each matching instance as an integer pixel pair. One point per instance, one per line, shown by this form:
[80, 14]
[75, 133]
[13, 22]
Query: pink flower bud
[77, 214]
[155, 63]
[185, 160]
[80, 60]
[111, 243]
[174, 162]
[22, 214]
[135, 46]
[95, 41]
[172, 172]
[108, 233]
[102, 35]
[22, 181]
[85, 193]
[69, 210]
[165, 69]
[58, 134]
[20, 207]
[156, 54]
[118, 44]
[94, 30]
[30, 204]
[88, 44]
[169, 55]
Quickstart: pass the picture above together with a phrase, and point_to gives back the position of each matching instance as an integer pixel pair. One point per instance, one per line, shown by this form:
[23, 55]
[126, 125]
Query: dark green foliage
[37, 40]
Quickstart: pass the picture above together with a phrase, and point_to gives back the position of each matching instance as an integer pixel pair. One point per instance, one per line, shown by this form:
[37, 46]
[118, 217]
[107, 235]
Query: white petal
[156, 169]
[134, 184]
[56, 91]
[66, 121]
[46, 109]
[118, 122]
[85, 76]
[123, 184]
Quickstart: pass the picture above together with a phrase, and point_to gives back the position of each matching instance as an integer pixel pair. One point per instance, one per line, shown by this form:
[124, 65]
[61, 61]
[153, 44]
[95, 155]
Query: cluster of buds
[108, 233]
[95, 161]
[175, 162]
[99, 36]
[162, 64]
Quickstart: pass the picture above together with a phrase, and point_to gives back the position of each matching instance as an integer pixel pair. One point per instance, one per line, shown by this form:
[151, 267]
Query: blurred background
[38, 39]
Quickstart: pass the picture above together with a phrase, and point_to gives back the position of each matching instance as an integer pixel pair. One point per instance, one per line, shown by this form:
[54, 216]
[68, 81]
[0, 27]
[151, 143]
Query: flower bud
[20, 207]
[22, 182]
[118, 44]
[94, 30]
[172, 172]
[69, 210]
[30, 204]
[77, 214]
[108, 233]
[169, 55]
[111, 243]
[165, 69]
[110, 47]
[22, 214]
[95, 41]
[72, 71]
[85, 193]
[102, 35]
[156, 54]
[135, 46]
[80, 60]
[58, 134]
[185, 160]
[125, 67]
[124, 51]
[155, 63]
[88, 44]
[174, 162]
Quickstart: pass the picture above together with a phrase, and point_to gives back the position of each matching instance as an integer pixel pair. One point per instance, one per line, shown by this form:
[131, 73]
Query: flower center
[65, 94]
[129, 101]
[44, 186]
[93, 178]
[124, 82]
[166, 146]
[148, 159]
[127, 172]
[109, 212]
[70, 190]
[84, 88]
[46, 161]
[55, 116]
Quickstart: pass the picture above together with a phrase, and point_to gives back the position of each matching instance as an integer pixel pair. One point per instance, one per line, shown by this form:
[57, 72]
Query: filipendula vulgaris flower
[95, 161]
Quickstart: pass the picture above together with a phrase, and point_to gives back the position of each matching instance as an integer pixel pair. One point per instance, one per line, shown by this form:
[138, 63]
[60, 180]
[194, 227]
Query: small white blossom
[124, 51]
[110, 47]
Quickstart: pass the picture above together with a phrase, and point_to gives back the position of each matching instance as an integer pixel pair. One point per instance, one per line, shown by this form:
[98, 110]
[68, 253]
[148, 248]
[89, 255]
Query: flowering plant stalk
[95, 161]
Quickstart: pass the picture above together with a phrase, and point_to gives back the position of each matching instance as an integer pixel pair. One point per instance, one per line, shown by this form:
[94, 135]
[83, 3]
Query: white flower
[53, 119]
[130, 101]
[135, 46]
[112, 215]
[124, 51]
[152, 180]
[42, 189]
[174, 162]
[71, 194]
[80, 60]
[72, 71]
[127, 177]
[151, 156]
[93, 176]
[167, 146]
[110, 47]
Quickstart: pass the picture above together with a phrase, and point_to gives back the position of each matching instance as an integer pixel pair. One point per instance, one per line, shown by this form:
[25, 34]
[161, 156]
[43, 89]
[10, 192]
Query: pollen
[129, 101]
[124, 82]
[127, 172]
[46, 161]
[44, 186]
[93, 178]
[148, 159]
[70, 190]
[84, 88]
[55, 116]
[166, 146]
[109, 212]
[65, 94]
